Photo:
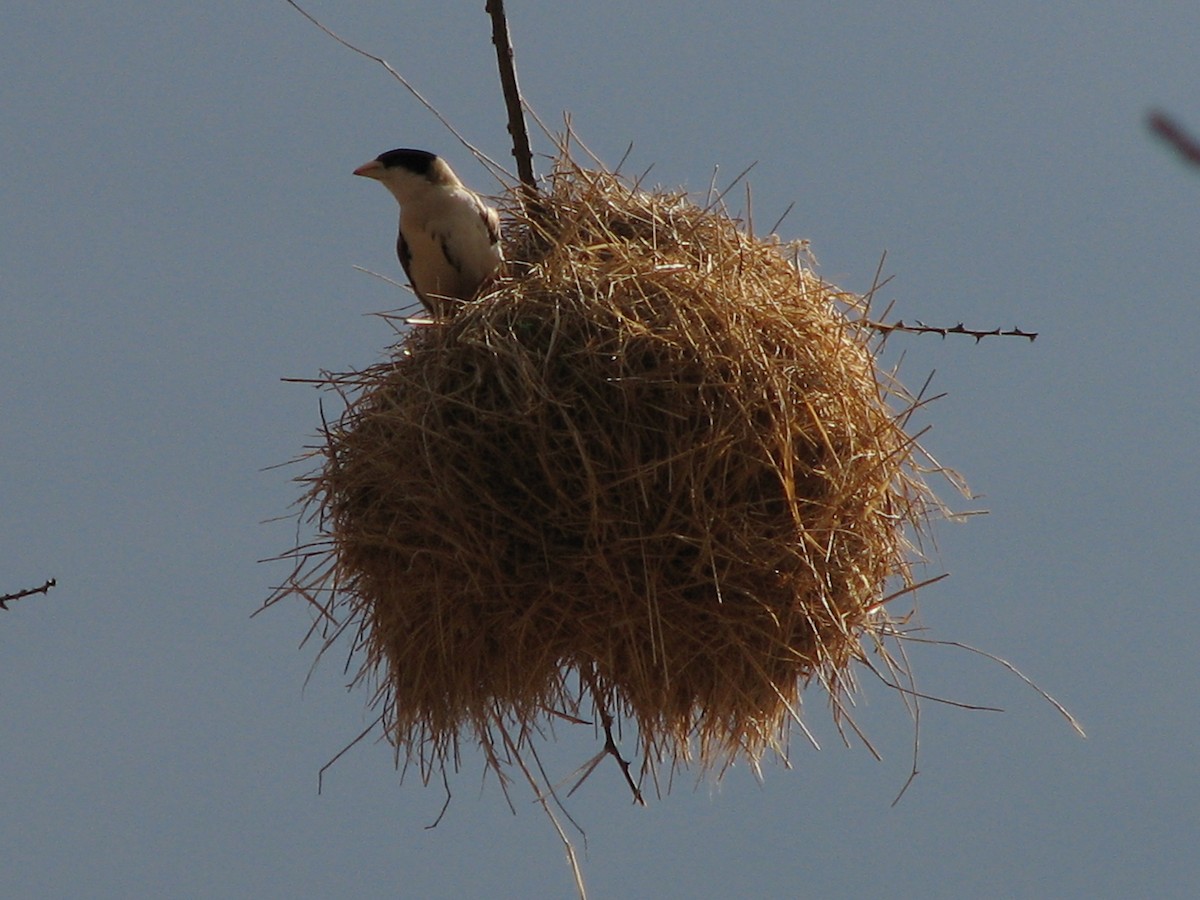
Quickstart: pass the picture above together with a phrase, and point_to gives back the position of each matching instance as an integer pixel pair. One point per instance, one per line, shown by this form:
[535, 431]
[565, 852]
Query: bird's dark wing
[455, 263]
[405, 255]
[492, 220]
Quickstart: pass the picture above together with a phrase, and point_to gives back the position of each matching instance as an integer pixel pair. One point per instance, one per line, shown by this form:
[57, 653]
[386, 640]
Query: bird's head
[409, 173]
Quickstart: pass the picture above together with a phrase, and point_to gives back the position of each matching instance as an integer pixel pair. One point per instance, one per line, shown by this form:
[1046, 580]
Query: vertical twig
[512, 96]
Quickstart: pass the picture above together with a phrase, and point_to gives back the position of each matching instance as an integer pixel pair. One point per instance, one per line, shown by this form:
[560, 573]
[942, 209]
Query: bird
[449, 240]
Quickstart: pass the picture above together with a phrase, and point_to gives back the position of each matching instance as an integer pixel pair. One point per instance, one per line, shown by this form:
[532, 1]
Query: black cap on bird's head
[418, 161]
[400, 163]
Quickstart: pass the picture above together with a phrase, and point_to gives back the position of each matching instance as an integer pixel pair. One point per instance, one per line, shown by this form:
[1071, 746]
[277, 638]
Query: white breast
[453, 250]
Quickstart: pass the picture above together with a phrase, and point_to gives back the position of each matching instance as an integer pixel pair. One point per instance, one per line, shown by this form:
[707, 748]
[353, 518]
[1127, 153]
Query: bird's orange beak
[373, 169]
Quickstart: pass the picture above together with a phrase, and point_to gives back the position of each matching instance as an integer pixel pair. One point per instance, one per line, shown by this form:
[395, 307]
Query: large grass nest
[653, 475]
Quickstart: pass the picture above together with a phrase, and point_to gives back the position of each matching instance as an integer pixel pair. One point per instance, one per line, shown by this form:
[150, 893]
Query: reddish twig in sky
[1172, 133]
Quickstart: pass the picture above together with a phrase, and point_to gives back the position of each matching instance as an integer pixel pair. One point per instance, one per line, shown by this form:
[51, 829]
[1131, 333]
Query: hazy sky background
[180, 224]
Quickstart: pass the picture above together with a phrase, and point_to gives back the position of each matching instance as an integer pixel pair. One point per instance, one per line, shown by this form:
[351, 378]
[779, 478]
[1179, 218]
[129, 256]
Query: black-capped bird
[449, 241]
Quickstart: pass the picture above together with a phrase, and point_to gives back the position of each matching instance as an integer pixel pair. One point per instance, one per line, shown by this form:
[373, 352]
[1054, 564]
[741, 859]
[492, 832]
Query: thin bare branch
[496, 168]
[541, 799]
[344, 751]
[445, 805]
[1062, 710]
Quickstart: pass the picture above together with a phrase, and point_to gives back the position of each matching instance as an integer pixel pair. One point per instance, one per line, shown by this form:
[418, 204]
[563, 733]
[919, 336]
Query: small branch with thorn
[44, 589]
[919, 327]
[610, 744]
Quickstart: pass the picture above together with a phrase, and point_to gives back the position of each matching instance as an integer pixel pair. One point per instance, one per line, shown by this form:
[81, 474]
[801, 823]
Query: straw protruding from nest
[653, 469]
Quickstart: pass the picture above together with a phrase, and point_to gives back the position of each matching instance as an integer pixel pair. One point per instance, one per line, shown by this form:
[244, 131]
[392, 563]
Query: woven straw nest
[653, 472]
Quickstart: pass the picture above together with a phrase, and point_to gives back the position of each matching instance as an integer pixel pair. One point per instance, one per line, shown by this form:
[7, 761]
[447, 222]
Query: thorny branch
[610, 744]
[919, 327]
[44, 589]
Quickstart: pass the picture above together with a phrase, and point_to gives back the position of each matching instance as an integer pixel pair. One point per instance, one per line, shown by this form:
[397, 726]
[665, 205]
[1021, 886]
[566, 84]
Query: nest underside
[653, 470]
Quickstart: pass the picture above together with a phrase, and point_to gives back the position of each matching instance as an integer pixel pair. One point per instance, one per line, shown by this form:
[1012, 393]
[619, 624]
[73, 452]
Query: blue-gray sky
[179, 230]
